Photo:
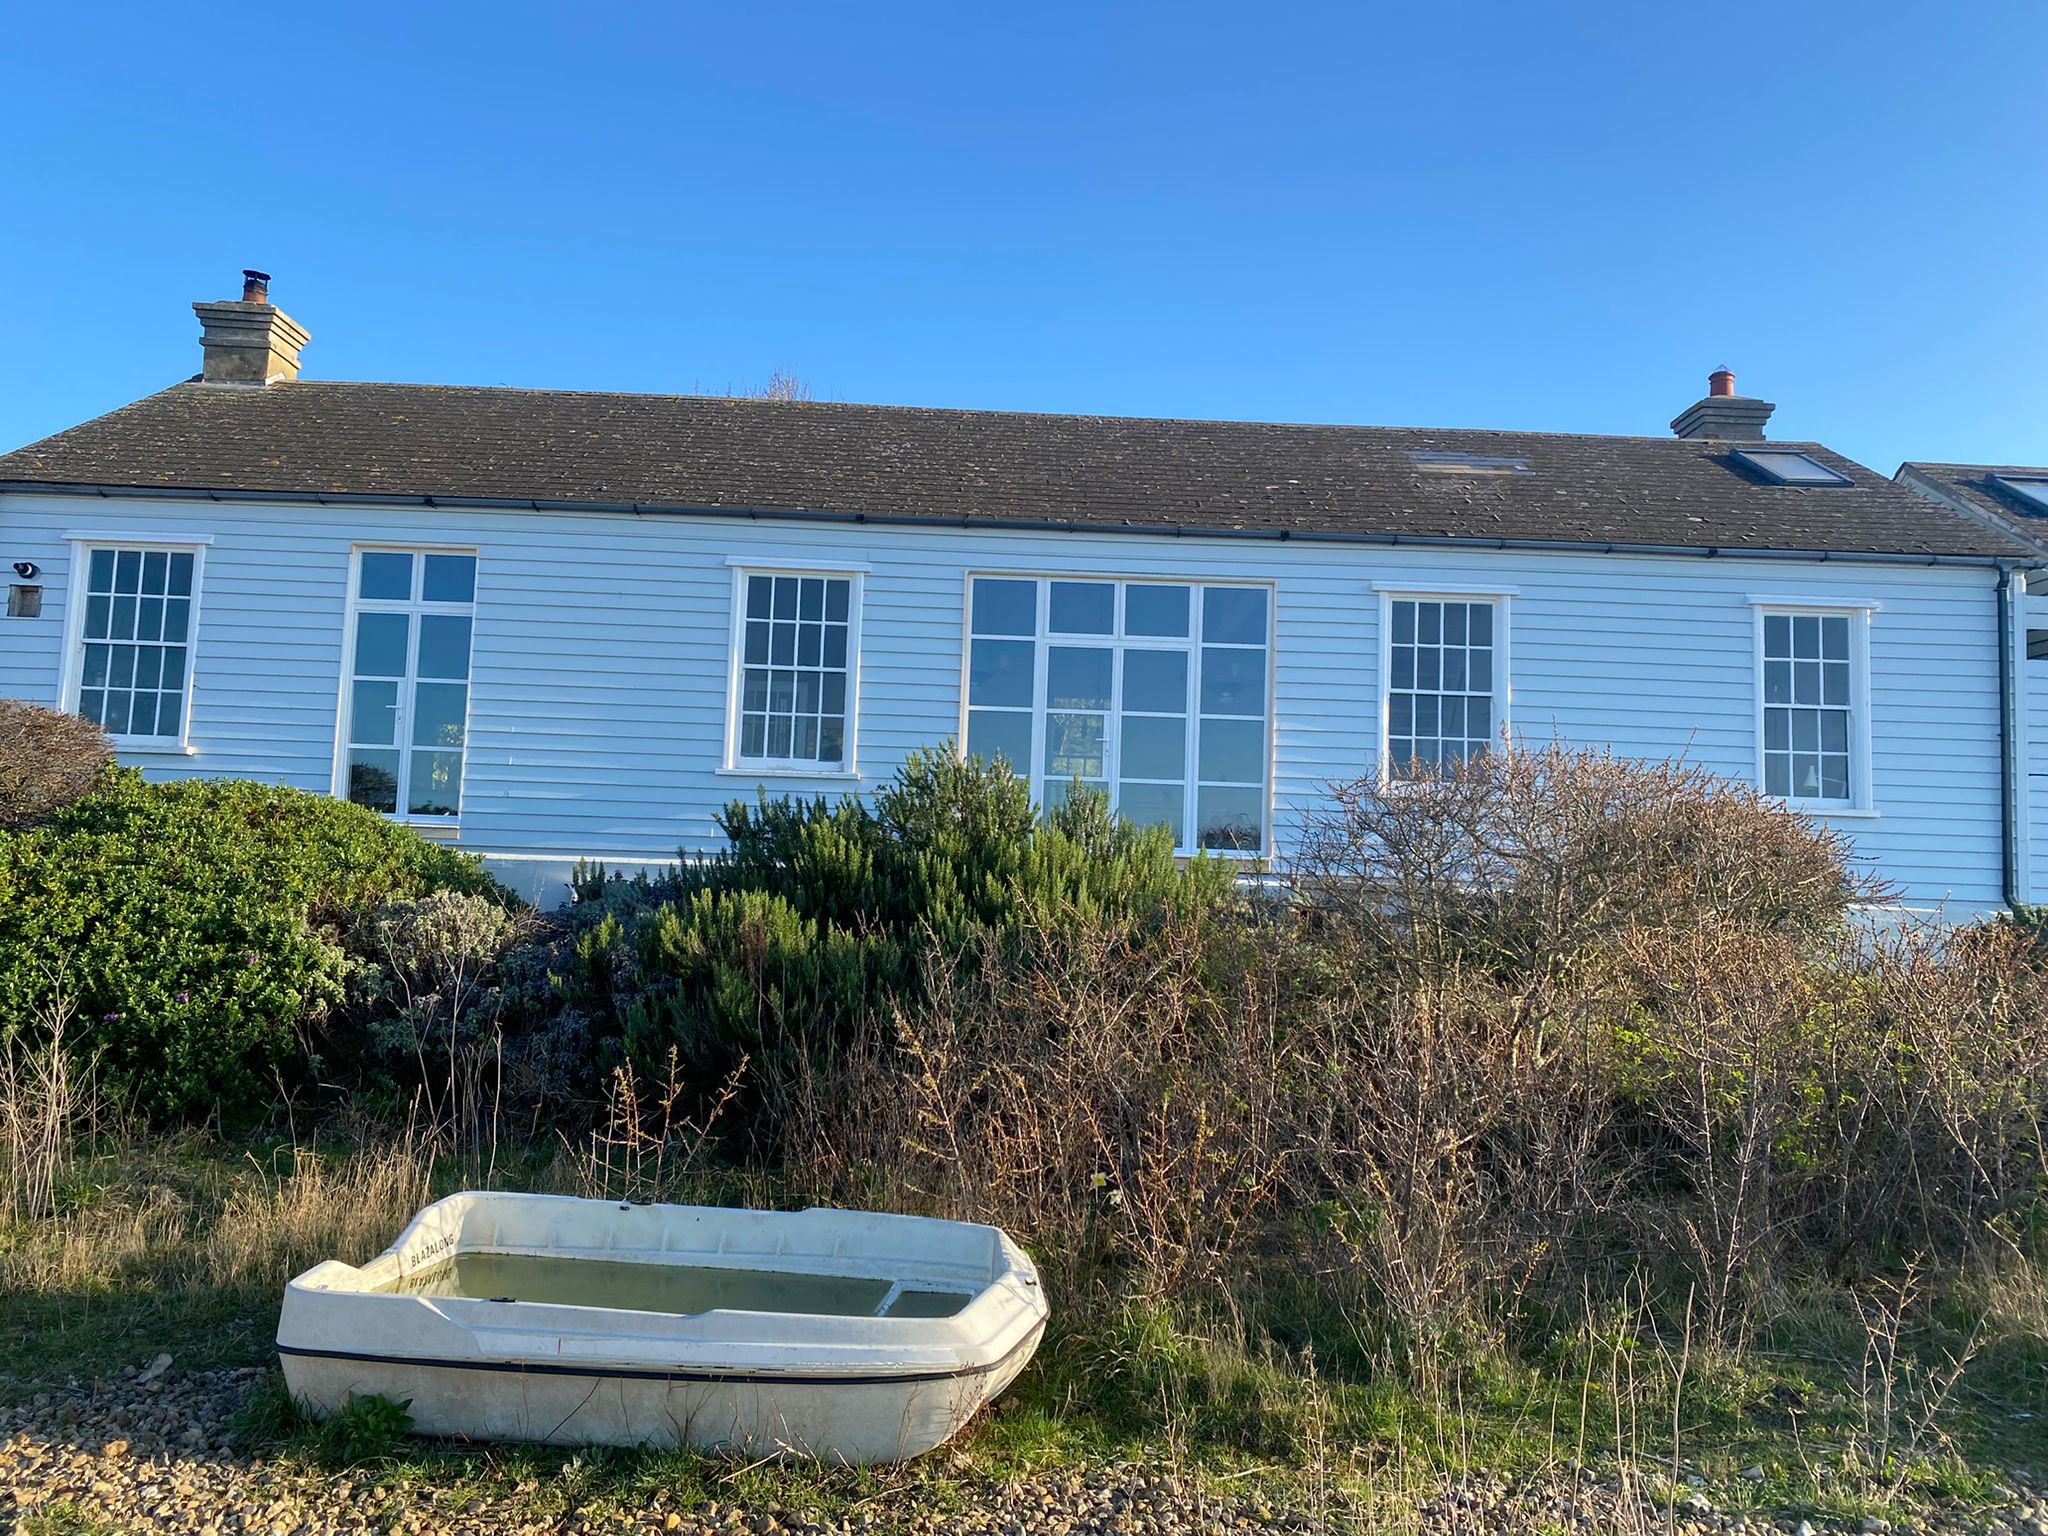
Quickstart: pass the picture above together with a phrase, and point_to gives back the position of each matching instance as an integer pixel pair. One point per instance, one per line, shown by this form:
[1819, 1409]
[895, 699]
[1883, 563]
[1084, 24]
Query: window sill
[788, 771]
[168, 746]
[1812, 808]
[441, 829]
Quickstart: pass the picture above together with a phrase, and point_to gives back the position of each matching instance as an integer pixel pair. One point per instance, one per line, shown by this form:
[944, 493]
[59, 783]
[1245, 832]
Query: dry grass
[50, 1105]
[195, 1225]
[310, 1208]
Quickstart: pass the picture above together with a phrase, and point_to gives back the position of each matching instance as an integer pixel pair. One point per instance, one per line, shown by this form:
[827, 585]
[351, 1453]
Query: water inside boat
[681, 1289]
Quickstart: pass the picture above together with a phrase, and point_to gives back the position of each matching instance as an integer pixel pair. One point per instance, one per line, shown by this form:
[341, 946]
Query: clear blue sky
[1549, 216]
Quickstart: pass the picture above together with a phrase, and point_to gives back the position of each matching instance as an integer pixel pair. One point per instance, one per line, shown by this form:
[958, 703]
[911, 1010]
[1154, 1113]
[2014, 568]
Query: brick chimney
[1724, 413]
[249, 340]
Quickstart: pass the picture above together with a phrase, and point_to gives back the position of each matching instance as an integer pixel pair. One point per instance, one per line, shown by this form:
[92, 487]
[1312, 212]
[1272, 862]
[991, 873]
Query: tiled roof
[667, 452]
[1976, 487]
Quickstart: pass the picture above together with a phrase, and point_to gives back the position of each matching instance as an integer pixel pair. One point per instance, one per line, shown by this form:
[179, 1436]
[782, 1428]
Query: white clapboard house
[547, 625]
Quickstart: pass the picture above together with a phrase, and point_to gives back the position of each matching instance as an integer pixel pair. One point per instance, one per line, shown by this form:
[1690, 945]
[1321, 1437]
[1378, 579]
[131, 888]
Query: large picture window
[1812, 747]
[132, 654]
[1154, 693]
[406, 705]
[794, 671]
[1444, 681]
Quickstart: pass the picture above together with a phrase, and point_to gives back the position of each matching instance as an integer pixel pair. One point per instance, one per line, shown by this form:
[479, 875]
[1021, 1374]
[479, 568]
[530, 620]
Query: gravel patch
[155, 1452]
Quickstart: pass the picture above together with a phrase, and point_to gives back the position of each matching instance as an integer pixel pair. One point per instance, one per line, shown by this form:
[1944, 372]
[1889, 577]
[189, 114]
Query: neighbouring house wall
[601, 661]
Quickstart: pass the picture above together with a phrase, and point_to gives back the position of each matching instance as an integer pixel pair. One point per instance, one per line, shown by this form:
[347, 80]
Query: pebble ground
[159, 1453]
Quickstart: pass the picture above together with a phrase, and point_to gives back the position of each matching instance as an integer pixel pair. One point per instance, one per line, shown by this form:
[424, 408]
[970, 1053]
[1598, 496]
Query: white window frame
[1858, 611]
[72, 672]
[1502, 601]
[344, 721]
[733, 763]
[1043, 639]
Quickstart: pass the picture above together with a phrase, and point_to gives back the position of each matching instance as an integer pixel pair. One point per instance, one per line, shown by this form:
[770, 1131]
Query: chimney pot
[249, 341]
[1723, 413]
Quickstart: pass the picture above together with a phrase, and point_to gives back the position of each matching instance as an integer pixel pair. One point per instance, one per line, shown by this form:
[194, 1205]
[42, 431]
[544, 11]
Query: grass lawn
[183, 1245]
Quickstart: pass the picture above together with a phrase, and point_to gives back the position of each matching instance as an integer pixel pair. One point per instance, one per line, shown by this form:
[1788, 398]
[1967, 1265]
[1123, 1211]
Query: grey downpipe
[2007, 743]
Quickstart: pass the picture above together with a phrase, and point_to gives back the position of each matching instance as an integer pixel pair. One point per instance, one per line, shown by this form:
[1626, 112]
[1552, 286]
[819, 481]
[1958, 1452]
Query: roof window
[2031, 490]
[1784, 466]
[1446, 462]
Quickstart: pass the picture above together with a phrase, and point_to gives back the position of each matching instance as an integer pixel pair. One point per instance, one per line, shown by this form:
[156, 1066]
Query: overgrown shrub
[47, 760]
[1091, 1082]
[1570, 1025]
[1523, 861]
[1571, 1005]
[426, 1015]
[820, 916]
[193, 927]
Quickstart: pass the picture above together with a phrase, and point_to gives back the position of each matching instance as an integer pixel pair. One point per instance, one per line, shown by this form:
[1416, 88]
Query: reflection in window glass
[1150, 610]
[1440, 696]
[795, 663]
[136, 641]
[1807, 707]
[1005, 607]
[408, 697]
[384, 577]
[1165, 713]
[1083, 607]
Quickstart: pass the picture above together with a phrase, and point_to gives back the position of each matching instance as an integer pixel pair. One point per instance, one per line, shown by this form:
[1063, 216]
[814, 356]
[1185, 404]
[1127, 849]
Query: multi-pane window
[134, 668]
[1809, 706]
[795, 672]
[1154, 693]
[1441, 681]
[408, 681]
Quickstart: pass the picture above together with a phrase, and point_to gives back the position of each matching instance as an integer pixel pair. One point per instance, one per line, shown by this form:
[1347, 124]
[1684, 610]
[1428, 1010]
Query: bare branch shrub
[1959, 1023]
[1724, 1050]
[1448, 1132]
[1085, 1087]
[647, 1144]
[47, 760]
[1527, 860]
[784, 385]
[1902, 1401]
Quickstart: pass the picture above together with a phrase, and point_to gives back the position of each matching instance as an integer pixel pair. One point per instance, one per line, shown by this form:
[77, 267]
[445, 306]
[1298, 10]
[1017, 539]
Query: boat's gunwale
[662, 1260]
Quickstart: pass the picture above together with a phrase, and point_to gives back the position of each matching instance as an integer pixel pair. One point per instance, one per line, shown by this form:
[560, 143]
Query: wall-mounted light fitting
[27, 570]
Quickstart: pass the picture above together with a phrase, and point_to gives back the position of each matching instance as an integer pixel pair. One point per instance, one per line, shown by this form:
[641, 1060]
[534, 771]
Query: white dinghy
[842, 1335]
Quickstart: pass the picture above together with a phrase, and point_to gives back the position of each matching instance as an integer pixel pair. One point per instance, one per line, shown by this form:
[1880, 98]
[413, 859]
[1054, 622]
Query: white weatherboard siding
[601, 660]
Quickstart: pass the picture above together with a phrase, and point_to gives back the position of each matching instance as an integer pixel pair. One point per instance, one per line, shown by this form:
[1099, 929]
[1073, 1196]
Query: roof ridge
[1986, 469]
[1022, 415]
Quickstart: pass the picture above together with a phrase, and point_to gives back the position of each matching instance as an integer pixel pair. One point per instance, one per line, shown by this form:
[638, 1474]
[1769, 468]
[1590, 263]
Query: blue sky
[1556, 217]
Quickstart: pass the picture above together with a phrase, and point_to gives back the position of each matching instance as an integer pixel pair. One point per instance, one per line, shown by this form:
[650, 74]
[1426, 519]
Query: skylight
[2032, 492]
[1787, 467]
[1446, 462]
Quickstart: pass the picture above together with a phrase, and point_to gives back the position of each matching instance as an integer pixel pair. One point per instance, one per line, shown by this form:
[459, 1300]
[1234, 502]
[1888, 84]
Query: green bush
[193, 927]
[819, 915]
